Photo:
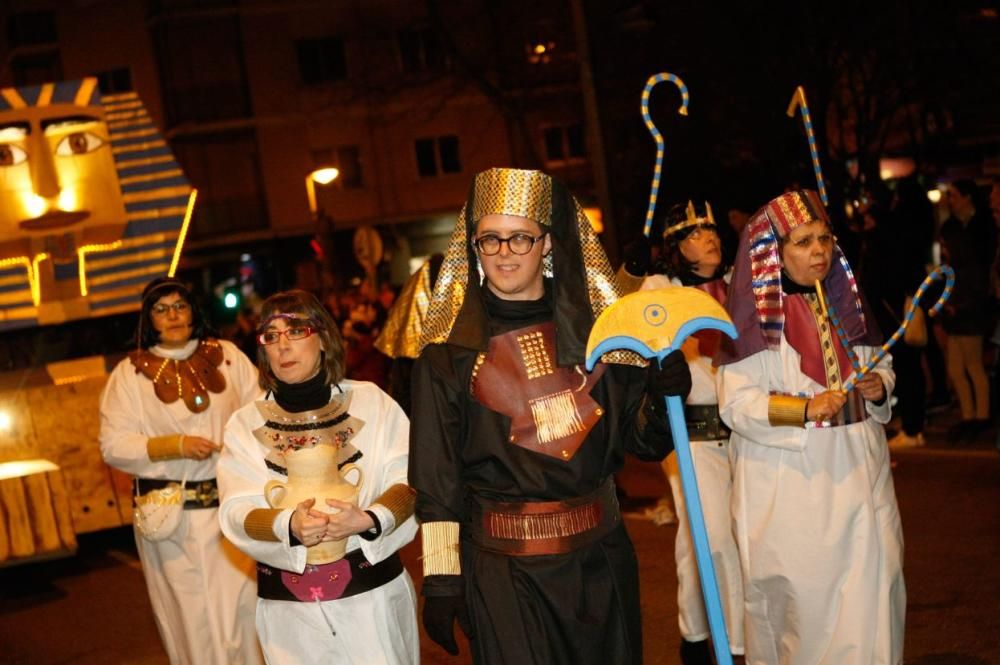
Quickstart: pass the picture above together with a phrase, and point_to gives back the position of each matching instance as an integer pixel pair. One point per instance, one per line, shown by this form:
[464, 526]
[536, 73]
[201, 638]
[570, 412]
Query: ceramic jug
[313, 474]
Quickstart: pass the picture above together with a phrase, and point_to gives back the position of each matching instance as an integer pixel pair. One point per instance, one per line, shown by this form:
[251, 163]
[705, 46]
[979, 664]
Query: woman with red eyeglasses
[163, 412]
[361, 608]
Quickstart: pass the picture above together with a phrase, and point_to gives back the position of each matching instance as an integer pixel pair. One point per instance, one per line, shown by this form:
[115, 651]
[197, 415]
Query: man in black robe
[513, 446]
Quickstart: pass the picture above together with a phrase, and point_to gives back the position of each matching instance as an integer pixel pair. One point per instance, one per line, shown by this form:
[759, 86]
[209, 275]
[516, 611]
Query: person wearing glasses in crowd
[514, 446]
[692, 256]
[163, 411]
[814, 509]
[361, 608]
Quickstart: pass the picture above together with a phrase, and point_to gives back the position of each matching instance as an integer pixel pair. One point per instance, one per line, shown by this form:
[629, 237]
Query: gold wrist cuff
[440, 543]
[399, 499]
[160, 448]
[786, 411]
[259, 524]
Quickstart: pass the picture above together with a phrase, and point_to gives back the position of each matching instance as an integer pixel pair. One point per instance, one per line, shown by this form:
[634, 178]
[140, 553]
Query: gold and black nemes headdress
[582, 280]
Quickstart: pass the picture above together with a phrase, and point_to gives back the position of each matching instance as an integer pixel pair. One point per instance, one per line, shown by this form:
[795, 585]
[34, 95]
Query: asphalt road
[93, 609]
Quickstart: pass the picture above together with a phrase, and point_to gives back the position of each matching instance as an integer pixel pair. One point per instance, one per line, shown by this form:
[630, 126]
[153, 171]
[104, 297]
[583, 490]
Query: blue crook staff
[657, 136]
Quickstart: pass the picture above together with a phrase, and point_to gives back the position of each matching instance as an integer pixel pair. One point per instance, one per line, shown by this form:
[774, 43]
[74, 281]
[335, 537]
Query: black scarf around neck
[310, 394]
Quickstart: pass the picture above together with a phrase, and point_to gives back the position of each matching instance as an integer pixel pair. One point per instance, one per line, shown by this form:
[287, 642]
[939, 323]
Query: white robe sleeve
[123, 437]
[392, 464]
[242, 475]
[243, 372]
[744, 394]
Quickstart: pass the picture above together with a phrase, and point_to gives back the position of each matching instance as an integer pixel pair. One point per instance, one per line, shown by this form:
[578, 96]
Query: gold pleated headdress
[404, 325]
[577, 258]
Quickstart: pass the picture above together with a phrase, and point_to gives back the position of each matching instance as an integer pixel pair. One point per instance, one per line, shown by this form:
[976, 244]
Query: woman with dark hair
[163, 412]
[360, 608]
[692, 256]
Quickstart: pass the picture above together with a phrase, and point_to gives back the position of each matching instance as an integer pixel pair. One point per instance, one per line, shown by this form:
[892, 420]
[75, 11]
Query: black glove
[671, 377]
[637, 257]
[444, 603]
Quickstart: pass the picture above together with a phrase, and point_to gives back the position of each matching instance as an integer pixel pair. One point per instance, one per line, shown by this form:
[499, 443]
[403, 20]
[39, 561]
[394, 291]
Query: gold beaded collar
[190, 379]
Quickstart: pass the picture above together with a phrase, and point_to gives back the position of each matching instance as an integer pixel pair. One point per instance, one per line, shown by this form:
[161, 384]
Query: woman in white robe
[301, 361]
[201, 588]
[815, 511]
[692, 257]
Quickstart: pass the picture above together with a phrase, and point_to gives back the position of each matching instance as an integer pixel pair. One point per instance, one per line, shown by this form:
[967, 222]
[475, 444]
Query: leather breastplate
[550, 408]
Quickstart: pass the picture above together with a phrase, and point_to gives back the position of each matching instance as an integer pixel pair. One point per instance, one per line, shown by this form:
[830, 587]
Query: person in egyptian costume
[692, 257]
[514, 445]
[359, 605]
[814, 508]
[163, 411]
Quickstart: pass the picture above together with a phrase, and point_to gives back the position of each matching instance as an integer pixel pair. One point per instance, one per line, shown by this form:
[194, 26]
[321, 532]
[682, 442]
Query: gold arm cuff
[440, 543]
[259, 524]
[627, 282]
[399, 499]
[166, 447]
[787, 411]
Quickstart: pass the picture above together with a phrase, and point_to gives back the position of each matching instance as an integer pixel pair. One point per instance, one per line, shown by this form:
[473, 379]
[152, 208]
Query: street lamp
[324, 176]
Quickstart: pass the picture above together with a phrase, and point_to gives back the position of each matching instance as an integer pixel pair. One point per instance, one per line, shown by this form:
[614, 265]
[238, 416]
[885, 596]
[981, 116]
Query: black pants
[910, 388]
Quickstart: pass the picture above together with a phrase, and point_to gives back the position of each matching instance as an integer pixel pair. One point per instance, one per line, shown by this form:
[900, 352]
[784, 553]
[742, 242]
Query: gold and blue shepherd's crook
[944, 272]
[799, 100]
[657, 136]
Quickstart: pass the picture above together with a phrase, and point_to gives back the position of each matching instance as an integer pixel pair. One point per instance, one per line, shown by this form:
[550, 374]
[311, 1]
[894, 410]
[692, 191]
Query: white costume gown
[378, 627]
[711, 463]
[817, 523]
[202, 589]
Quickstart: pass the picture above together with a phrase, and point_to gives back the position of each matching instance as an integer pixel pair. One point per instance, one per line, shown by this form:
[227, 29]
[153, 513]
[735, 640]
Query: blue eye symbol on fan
[655, 315]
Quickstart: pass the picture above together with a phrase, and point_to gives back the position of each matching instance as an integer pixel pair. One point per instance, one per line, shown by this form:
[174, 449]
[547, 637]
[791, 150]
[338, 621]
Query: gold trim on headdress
[452, 281]
[513, 192]
[692, 219]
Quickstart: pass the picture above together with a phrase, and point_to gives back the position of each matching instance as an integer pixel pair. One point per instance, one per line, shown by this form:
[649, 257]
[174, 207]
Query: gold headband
[513, 192]
[692, 219]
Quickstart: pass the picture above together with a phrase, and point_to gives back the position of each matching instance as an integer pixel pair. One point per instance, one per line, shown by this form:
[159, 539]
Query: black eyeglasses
[272, 336]
[519, 243]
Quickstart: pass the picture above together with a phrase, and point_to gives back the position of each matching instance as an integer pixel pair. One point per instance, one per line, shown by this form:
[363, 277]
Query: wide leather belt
[197, 493]
[535, 528]
[704, 423]
[331, 581]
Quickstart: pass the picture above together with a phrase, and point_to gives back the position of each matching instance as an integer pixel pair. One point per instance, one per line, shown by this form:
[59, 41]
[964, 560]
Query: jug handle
[347, 468]
[269, 487]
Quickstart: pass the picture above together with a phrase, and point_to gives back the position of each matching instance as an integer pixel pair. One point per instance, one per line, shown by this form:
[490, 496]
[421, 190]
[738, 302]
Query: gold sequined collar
[284, 432]
[190, 379]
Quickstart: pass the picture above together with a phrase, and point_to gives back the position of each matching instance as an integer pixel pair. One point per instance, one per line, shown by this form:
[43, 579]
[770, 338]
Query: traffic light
[231, 298]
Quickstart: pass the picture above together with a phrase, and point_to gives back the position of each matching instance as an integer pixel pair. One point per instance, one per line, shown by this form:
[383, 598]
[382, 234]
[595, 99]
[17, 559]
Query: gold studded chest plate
[550, 408]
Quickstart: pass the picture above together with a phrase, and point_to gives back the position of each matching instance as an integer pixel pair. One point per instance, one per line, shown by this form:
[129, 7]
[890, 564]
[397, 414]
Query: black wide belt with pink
[347, 577]
[533, 528]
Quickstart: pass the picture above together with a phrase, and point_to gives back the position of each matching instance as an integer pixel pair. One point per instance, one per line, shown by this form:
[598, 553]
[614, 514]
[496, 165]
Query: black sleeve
[435, 436]
[646, 429]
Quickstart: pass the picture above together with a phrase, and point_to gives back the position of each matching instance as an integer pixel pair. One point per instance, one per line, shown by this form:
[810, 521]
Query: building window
[114, 81]
[564, 143]
[420, 51]
[321, 60]
[438, 156]
[347, 159]
[36, 68]
[32, 29]
[225, 167]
